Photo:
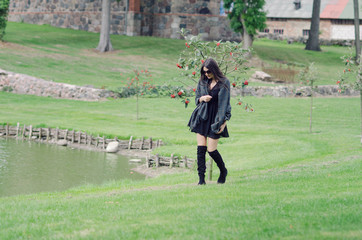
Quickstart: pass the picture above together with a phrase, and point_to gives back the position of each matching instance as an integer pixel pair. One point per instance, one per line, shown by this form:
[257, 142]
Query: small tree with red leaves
[179, 93]
[241, 85]
[139, 85]
[230, 56]
[351, 77]
[308, 77]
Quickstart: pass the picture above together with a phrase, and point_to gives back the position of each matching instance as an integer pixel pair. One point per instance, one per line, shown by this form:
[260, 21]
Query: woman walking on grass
[209, 118]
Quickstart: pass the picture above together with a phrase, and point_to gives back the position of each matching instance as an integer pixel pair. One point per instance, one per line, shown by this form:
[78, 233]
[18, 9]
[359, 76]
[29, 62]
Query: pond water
[32, 167]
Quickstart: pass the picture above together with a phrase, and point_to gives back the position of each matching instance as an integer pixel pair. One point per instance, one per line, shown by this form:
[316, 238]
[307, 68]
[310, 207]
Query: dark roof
[330, 9]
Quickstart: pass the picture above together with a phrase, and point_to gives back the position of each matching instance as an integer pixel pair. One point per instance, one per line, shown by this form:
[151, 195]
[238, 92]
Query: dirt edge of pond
[136, 153]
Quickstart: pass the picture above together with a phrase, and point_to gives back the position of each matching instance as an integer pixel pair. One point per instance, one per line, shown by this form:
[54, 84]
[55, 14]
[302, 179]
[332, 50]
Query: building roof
[330, 9]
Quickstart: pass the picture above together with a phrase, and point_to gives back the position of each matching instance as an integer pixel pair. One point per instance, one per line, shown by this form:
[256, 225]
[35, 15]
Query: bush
[7, 89]
[4, 9]
[155, 91]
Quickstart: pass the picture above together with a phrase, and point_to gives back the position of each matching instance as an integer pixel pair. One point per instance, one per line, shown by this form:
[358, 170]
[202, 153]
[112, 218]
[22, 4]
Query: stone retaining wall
[293, 91]
[24, 84]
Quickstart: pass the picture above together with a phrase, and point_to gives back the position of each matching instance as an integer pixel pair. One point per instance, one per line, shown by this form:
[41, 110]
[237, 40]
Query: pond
[31, 167]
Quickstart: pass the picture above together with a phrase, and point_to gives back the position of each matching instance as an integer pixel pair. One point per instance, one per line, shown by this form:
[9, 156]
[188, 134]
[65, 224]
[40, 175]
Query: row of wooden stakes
[78, 137]
[173, 161]
[72, 136]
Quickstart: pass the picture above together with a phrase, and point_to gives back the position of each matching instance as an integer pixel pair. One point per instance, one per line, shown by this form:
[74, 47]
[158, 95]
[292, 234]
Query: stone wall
[79, 15]
[198, 16]
[142, 17]
[24, 84]
[160, 18]
[293, 91]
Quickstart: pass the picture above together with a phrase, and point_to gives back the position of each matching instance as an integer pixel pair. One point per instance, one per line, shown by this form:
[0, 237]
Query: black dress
[204, 127]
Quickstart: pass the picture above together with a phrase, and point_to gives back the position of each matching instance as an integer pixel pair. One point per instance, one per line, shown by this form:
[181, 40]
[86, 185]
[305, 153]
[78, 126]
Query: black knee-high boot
[201, 163]
[221, 165]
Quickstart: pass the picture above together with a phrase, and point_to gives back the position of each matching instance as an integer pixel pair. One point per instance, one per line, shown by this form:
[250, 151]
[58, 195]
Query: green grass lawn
[52, 54]
[283, 182]
[328, 62]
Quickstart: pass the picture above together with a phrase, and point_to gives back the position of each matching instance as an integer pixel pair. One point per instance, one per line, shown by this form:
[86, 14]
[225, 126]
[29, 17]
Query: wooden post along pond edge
[65, 137]
[74, 137]
[173, 161]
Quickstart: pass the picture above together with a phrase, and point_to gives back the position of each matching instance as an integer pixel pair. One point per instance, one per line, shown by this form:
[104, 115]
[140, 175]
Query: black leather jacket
[223, 110]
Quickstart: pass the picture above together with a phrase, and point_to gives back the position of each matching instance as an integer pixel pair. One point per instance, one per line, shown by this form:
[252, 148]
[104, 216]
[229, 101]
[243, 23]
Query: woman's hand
[205, 98]
[222, 127]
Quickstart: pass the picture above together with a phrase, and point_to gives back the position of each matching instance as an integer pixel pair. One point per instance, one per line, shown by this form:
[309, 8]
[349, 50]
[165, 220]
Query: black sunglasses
[208, 72]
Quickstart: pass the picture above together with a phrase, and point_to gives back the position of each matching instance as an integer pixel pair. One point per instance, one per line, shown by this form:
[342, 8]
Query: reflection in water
[30, 167]
[111, 159]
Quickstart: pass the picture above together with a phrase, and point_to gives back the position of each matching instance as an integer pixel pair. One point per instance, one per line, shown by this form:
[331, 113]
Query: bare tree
[105, 44]
[356, 29]
[313, 40]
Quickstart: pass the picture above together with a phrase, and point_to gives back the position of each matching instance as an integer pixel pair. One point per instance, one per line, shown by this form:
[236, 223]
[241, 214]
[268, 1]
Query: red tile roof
[334, 10]
[330, 9]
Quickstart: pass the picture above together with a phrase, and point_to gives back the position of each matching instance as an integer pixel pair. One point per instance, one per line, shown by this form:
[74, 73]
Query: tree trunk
[105, 44]
[247, 38]
[359, 85]
[210, 168]
[313, 40]
[356, 30]
[311, 109]
[360, 95]
[137, 105]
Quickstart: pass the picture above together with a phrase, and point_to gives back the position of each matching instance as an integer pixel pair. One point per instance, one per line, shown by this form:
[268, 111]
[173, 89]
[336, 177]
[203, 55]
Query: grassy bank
[52, 54]
[283, 183]
[328, 62]
[313, 201]
[276, 122]
[65, 55]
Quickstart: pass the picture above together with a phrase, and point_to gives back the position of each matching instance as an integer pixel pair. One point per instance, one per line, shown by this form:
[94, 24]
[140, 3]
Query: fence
[75, 137]
[83, 138]
[173, 161]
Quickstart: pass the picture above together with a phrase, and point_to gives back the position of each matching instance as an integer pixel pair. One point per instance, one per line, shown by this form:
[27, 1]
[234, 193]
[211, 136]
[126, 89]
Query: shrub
[4, 9]
[7, 89]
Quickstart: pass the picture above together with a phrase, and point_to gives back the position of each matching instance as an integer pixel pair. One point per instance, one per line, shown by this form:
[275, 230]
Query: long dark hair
[212, 65]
